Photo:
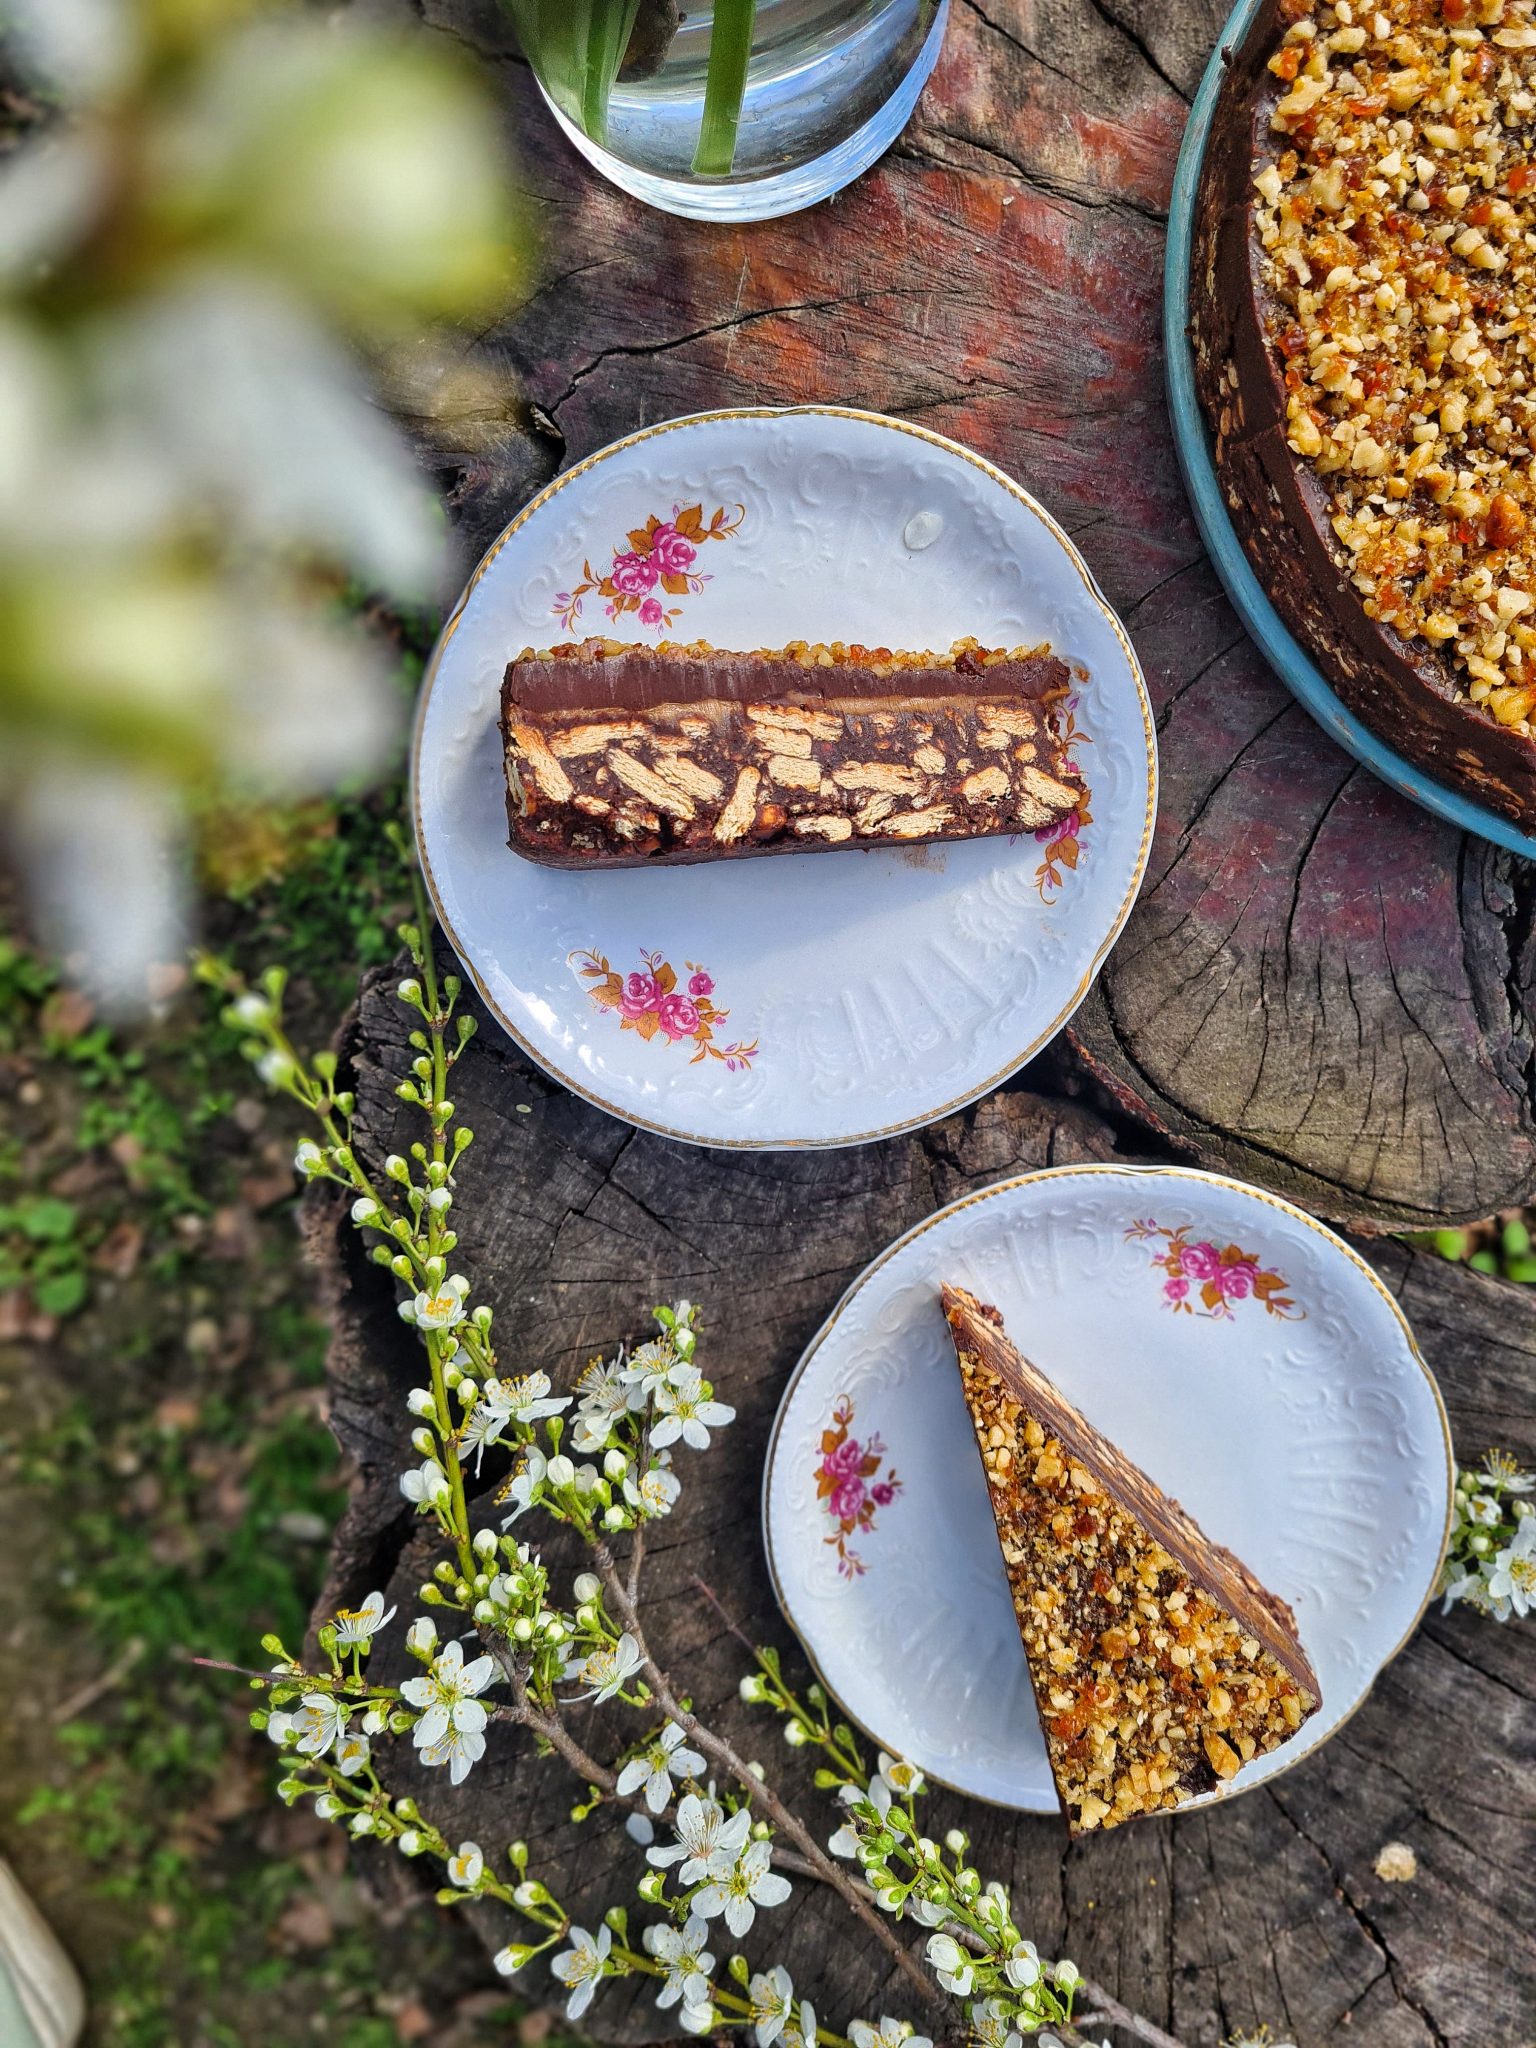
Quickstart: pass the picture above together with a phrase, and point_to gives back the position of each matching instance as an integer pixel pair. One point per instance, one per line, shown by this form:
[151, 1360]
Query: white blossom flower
[309, 1159]
[891, 2033]
[421, 1636]
[1067, 1975]
[1511, 1572]
[357, 1626]
[376, 1720]
[605, 1670]
[366, 1210]
[990, 2024]
[925, 1912]
[1502, 1468]
[441, 1309]
[773, 2004]
[698, 2019]
[458, 1748]
[465, 1869]
[688, 1964]
[1459, 1584]
[685, 1411]
[846, 1840]
[738, 1884]
[320, 1720]
[522, 1400]
[279, 1727]
[352, 1752]
[1022, 1968]
[603, 1396]
[447, 1696]
[800, 2030]
[426, 1485]
[702, 1833]
[1484, 1510]
[581, 1966]
[655, 1493]
[655, 1767]
[251, 1008]
[646, 1370]
[951, 1965]
[522, 1488]
[902, 1778]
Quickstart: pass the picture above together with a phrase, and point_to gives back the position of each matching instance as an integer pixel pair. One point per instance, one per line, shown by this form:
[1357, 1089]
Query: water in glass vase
[731, 109]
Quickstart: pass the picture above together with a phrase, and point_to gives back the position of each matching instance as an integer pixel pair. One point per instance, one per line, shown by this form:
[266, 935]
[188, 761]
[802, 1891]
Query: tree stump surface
[1264, 1910]
[1322, 989]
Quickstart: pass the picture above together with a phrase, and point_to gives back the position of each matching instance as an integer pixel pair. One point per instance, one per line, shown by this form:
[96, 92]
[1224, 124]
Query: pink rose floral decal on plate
[849, 1481]
[1214, 1275]
[1062, 841]
[649, 1001]
[658, 563]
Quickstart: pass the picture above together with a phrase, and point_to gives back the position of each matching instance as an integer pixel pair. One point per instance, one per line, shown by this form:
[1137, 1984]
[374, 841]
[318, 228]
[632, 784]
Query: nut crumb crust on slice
[1160, 1666]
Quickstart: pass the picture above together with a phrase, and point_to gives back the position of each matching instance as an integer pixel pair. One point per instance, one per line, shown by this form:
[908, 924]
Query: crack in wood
[1363, 1920]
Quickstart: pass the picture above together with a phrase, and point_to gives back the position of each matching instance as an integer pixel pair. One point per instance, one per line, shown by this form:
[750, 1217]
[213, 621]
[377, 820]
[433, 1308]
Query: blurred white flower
[82, 48]
[185, 440]
[263, 415]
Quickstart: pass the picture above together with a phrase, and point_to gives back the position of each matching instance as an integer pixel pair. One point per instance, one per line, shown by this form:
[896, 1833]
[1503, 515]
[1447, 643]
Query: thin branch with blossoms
[603, 1460]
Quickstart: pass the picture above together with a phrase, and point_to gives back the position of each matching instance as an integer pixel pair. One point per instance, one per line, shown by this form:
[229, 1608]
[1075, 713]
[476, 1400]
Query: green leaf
[45, 1218]
[61, 1293]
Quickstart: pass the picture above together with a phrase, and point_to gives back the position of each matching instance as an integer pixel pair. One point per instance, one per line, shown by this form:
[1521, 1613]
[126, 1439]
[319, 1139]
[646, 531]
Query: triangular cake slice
[1160, 1664]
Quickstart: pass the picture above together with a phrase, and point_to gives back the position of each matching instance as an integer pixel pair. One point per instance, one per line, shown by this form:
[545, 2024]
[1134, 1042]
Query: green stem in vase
[725, 87]
[609, 26]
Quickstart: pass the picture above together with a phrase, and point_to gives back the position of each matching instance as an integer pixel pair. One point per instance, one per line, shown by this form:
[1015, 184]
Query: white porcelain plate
[1245, 1357]
[820, 999]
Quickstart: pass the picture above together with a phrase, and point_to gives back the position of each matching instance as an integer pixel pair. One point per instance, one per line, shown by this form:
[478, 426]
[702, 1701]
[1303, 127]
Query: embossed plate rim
[918, 1119]
[1276, 642]
[1126, 1171]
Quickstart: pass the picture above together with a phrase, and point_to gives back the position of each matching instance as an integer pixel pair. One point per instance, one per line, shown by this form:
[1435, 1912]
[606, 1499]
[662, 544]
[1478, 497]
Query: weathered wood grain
[1322, 989]
[1266, 1910]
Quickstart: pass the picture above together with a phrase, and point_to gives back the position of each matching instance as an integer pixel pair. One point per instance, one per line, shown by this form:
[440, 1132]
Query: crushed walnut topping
[1150, 1690]
[1397, 219]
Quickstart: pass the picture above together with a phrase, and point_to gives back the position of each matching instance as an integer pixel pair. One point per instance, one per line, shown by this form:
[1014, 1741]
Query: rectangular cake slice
[1160, 1664]
[622, 756]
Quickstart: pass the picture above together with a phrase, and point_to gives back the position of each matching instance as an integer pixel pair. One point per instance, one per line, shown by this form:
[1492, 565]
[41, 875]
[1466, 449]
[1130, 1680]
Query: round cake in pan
[1363, 307]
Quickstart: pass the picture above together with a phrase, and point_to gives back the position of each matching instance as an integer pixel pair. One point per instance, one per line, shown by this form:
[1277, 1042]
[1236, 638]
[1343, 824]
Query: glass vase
[731, 110]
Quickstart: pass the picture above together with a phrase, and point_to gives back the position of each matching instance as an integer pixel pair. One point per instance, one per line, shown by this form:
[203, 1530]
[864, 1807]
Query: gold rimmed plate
[1244, 1356]
[824, 999]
